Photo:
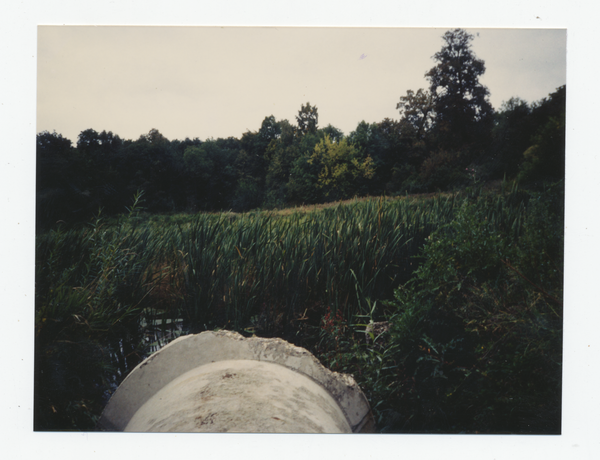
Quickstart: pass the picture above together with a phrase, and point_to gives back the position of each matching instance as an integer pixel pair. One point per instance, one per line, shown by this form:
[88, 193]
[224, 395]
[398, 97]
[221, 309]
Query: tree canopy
[462, 110]
[446, 135]
[308, 119]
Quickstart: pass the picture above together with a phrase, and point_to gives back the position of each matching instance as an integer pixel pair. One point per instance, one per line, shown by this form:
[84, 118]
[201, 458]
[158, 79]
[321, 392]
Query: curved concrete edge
[241, 396]
[192, 351]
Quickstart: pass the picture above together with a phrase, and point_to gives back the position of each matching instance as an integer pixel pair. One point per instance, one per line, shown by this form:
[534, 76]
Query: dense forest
[428, 264]
[447, 137]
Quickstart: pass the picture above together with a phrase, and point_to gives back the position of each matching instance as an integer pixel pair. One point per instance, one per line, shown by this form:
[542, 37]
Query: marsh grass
[120, 288]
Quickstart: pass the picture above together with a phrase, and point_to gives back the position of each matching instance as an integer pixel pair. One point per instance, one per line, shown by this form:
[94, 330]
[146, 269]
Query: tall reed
[116, 286]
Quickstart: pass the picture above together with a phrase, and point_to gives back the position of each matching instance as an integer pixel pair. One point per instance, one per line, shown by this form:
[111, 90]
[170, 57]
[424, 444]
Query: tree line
[447, 136]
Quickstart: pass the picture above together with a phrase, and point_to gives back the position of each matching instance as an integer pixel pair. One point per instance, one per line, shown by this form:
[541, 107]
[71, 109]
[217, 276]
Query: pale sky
[222, 81]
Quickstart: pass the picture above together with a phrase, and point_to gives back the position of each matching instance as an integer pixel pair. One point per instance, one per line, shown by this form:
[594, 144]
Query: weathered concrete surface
[241, 395]
[220, 381]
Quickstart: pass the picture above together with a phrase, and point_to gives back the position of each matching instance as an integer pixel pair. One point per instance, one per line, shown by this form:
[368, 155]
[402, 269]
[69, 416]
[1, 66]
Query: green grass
[114, 288]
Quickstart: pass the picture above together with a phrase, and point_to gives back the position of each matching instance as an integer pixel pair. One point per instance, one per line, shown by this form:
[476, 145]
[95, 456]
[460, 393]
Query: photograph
[299, 229]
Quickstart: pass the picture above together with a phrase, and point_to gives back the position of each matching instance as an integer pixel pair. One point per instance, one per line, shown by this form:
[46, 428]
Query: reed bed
[220, 270]
[237, 267]
[123, 286]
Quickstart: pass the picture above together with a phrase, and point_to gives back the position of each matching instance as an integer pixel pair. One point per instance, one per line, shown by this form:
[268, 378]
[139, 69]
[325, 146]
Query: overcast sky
[222, 81]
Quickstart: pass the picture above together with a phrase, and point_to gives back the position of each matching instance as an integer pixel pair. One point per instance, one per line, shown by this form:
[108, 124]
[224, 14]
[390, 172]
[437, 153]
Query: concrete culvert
[221, 381]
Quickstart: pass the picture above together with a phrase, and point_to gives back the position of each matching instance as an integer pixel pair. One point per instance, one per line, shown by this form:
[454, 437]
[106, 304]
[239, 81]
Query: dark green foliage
[302, 186]
[475, 341]
[211, 174]
[308, 119]
[443, 170]
[61, 179]
[512, 136]
[529, 141]
[417, 112]
[89, 288]
[463, 114]
[250, 173]
[390, 148]
[281, 158]
[546, 157]
[336, 135]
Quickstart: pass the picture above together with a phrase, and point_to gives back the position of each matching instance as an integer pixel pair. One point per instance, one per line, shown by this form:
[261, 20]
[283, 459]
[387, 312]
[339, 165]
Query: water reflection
[127, 352]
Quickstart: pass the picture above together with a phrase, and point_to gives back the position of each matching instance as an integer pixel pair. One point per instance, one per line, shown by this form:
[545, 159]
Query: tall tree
[308, 119]
[88, 141]
[154, 136]
[463, 113]
[269, 129]
[417, 113]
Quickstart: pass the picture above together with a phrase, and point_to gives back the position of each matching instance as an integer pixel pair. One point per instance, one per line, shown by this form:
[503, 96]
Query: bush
[90, 285]
[476, 336]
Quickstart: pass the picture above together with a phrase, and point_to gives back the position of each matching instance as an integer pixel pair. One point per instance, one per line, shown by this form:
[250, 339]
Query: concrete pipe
[221, 381]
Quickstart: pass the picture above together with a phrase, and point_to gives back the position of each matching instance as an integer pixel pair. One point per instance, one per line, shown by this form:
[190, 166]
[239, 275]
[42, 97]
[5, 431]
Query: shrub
[90, 285]
[475, 337]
